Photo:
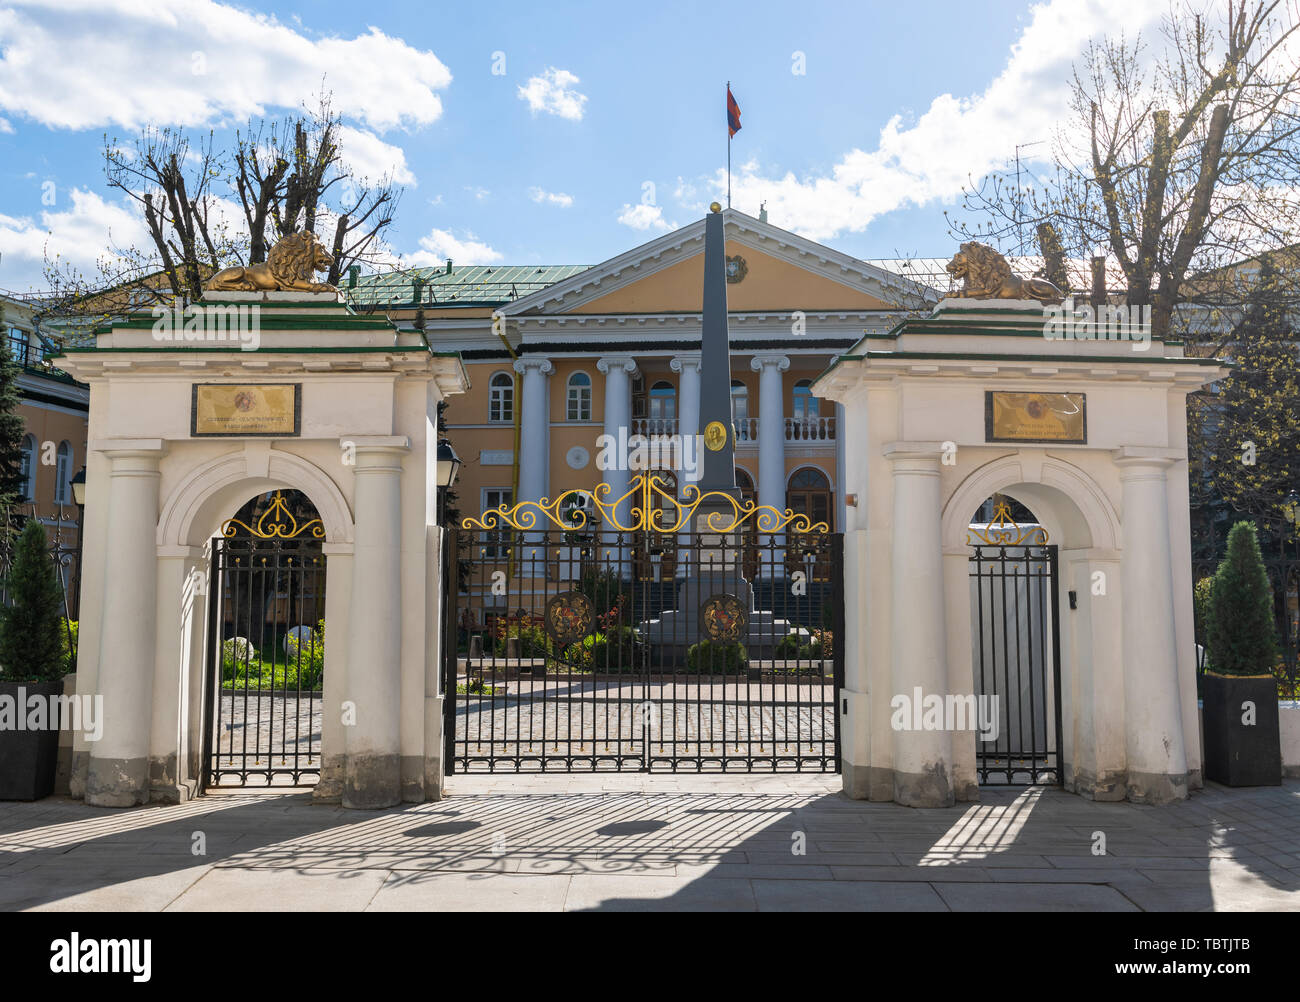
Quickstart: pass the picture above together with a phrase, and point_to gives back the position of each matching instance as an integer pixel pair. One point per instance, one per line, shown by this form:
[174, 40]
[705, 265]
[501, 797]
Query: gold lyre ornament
[1004, 531]
[277, 522]
[655, 509]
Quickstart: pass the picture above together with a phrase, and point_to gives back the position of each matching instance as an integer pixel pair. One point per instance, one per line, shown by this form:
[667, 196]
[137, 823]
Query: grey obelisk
[718, 470]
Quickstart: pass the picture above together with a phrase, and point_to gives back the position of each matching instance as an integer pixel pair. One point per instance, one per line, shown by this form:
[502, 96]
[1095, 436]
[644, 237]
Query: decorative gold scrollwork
[1004, 531]
[277, 522]
[654, 509]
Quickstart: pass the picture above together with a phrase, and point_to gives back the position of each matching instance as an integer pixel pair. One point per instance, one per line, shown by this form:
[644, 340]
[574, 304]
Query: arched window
[28, 467]
[663, 402]
[809, 493]
[740, 409]
[579, 400]
[63, 474]
[805, 404]
[501, 397]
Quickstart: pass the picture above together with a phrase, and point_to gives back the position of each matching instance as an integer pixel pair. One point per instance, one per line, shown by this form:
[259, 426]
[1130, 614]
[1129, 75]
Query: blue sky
[623, 138]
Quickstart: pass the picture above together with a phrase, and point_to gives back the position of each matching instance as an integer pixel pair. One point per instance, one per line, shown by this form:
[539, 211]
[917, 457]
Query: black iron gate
[1015, 632]
[642, 650]
[265, 671]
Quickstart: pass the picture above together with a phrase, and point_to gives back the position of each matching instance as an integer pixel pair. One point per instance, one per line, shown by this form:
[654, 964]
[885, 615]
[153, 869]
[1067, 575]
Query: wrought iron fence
[63, 528]
[1281, 553]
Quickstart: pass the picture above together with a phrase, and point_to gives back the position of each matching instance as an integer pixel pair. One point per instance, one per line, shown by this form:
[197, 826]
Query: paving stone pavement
[655, 842]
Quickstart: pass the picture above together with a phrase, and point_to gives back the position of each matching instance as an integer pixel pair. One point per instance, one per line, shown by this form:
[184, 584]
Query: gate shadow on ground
[492, 847]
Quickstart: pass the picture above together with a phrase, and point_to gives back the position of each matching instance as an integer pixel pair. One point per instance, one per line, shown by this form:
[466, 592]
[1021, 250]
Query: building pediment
[772, 270]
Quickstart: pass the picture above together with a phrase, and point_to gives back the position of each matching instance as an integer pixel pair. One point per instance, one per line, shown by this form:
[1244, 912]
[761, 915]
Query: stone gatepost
[166, 470]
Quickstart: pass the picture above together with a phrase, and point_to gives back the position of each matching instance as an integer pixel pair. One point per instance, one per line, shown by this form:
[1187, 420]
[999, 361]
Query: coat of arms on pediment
[737, 269]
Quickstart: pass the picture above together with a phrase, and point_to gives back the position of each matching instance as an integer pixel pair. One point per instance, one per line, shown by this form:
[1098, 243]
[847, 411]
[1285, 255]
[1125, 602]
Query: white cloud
[957, 138]
[77, 236]
[553, 197]
[370, 158]
[6, 126]
[82, 64]
[550, 92]
[442, 244]
[644, 217]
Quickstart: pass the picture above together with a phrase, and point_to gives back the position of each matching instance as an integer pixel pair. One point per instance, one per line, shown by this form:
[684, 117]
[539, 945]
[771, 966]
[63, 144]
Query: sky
[558, 132]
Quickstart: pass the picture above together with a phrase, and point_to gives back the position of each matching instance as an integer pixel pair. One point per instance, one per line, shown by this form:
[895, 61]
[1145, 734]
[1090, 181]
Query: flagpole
[728, 150]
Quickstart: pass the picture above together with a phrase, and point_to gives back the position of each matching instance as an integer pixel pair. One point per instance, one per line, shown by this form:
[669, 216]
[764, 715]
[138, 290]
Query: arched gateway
[193, 416]
[983, 398]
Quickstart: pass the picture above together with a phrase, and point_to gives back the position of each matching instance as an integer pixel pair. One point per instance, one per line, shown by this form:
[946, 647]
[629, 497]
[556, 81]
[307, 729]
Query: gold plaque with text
[1035, 417]
[246, 410]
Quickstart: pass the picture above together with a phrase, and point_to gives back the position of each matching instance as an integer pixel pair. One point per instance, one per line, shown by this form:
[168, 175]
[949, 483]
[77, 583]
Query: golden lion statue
[987, 275]
[288, 268]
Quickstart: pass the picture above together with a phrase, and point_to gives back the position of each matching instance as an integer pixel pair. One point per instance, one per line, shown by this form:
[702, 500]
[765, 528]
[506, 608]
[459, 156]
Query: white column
[1154, 742]
[841, 490]
[118, 775]
[688, 403]
[534, 456]
[618, 370]
[922, 758]
[688, 426]
[373, 775]
[771, 448]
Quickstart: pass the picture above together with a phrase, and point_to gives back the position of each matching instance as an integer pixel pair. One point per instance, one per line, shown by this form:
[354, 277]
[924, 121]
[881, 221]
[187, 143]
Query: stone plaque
[1035, 417]
[246, 410]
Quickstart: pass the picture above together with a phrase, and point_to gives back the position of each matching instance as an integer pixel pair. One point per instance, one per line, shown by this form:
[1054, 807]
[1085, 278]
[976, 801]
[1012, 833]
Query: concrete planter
[29, 758]
[1238, 754]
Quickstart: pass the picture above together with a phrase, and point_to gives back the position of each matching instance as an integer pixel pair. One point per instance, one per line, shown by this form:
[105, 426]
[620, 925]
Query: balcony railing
[810, 429]
[797, 429]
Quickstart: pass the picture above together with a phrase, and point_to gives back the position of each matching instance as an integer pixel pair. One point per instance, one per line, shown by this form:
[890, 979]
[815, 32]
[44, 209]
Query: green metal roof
[467, 285]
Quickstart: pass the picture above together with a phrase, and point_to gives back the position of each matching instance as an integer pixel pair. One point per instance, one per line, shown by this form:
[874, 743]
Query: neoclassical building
[561, 355]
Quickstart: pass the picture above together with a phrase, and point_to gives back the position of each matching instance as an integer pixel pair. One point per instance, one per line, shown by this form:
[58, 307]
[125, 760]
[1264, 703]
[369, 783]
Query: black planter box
[1238, 754]
[28, 759]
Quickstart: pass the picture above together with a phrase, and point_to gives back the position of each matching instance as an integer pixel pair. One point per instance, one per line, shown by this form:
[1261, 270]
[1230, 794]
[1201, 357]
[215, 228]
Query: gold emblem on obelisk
[715, 436]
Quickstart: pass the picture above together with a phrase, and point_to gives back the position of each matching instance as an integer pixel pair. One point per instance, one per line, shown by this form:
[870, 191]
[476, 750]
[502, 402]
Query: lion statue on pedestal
[288, 268]
[987, 275]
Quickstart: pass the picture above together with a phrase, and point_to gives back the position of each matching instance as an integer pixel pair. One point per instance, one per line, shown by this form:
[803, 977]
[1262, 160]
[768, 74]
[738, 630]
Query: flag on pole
[733, 114]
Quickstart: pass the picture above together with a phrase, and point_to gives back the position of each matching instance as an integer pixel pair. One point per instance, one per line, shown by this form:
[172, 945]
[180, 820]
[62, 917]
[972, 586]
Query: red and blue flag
[733, 114]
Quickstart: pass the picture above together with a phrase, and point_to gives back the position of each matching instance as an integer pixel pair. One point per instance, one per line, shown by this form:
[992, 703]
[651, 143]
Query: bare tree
[1181, 163]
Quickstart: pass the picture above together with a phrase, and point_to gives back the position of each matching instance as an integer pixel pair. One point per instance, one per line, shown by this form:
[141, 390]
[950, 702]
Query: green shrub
[717, 656]
[307, 657]
[1202, 597]
[69, 628]
[618, 649]
[534, 641]
[31, 627]
[1242, 639]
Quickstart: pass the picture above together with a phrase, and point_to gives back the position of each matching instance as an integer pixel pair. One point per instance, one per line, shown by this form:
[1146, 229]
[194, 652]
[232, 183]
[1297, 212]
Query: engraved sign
[1035, 417]
[246, 410]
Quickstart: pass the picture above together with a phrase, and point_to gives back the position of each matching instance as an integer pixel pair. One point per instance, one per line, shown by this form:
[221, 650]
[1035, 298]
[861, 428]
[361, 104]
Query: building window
[809, 494]
[19, 348]
[496, 541]
[663, 402]
[28, 467]
[740, 410]
[579, 400]
[63, 474]
[501, 397]
[805, 404]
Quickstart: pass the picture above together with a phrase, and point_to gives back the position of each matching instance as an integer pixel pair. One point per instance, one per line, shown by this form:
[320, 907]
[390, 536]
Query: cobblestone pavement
[656, 842]
[264, 731]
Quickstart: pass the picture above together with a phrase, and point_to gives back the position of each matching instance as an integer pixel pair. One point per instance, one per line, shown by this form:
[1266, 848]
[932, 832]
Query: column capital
[614, 362]
[914, 457]
[686, 360]
[130, 448]
[536, 363]
[759, 362]
[1136, 461]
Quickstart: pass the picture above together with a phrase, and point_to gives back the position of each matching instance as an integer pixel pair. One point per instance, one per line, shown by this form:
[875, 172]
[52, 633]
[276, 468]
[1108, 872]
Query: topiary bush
[716, 656]
[31, 627]
[1241, 634]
